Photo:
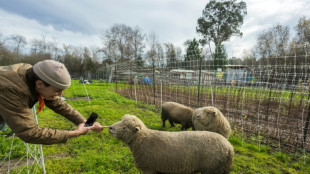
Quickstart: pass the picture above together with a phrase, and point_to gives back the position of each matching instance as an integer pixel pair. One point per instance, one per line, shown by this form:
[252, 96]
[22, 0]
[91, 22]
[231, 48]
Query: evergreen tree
[139, 61]
[220, 58]
[192, 54]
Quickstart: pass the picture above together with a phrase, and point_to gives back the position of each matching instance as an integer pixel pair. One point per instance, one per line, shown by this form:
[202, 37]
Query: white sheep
[211, 119]
[182, 152]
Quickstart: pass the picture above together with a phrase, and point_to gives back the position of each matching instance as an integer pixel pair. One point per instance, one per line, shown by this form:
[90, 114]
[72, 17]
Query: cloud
[262, 15]
[66, 15]
[32, 29]
[169, 19]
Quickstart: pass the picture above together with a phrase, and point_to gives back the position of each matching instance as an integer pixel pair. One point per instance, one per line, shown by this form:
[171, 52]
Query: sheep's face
[204, 116]
[127, 129]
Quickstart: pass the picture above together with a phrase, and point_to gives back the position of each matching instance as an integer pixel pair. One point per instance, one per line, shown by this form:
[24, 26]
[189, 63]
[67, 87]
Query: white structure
[182, 74]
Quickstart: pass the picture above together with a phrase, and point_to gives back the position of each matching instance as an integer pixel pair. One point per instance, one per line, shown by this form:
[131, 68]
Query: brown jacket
[16, 101]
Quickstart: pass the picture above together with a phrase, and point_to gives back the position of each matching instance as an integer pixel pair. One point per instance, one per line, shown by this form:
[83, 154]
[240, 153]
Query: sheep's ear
[137, 129]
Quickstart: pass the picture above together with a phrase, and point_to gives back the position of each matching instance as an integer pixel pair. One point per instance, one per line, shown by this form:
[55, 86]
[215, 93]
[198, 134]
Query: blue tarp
[147, 81]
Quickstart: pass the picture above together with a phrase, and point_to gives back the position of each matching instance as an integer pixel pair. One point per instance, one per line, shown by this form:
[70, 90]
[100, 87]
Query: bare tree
[137, 41]
[73, 60]
[19, 42]
[303, 30]
[88, 64]
[273, 43]
[6, 56]
[54, 49]
[249, 58]
[152, 41]
[179, 56]
[110, 51]
[161, 62]
[118, 36]
[67, 49]
[171, 56]
[301, 43]
[264, 44]
[95, 52]
[39, 46]
[281, 37]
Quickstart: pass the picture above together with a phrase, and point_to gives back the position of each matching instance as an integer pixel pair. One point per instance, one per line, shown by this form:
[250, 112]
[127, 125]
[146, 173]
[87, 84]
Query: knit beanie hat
[54, 73]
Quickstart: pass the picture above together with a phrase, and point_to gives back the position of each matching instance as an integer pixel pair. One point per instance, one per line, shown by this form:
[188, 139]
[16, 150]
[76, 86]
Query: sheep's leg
[171, 123]
[164, 123]
[163, 117]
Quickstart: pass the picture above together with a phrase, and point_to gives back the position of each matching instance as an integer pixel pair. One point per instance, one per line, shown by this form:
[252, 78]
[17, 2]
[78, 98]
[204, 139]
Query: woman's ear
[40, 84]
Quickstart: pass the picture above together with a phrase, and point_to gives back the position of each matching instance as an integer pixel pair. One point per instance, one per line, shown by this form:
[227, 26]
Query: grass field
[101, 153]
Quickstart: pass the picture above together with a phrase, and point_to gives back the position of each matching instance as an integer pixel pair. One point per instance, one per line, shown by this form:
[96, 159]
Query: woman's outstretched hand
[97, 127]
[82, 130]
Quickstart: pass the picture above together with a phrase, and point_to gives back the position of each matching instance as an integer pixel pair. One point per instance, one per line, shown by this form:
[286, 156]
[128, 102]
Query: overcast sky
[80, 22]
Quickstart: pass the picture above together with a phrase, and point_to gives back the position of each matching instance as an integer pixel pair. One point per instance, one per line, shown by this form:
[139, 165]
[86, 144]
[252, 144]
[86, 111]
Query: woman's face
[47, 92]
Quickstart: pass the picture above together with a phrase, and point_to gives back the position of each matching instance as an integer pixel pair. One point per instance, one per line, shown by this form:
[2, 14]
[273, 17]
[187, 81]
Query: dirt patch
[14, 164]
[79, 98]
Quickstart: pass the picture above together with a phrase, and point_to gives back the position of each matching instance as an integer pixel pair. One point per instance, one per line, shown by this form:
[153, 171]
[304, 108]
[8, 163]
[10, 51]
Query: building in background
[238, 74]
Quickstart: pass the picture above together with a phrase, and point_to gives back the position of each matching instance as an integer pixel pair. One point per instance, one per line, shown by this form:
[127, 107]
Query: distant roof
[237, 66]
[182, 70]
[206, 72]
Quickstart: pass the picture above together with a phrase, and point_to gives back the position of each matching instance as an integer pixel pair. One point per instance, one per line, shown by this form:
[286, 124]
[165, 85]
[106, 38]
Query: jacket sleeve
[63, 108]
[20, 119]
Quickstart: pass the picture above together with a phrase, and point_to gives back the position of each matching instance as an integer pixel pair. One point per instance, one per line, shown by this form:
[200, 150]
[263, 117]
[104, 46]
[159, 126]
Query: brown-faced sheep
[177, 113]
[183, 152]
[211, 119]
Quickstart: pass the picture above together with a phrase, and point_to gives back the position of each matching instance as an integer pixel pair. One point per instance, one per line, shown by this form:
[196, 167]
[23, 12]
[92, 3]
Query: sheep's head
[203, 116]
[126, 129]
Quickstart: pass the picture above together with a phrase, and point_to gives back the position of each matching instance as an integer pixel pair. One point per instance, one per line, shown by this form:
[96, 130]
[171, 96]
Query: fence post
[161, 93]
[130, 79]
[200, 62]
[135, 90]
[154, 81]
[306, 124]
[115, 78]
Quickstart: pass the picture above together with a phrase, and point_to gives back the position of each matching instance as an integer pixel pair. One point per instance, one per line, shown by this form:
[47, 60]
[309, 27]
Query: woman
[21, 86]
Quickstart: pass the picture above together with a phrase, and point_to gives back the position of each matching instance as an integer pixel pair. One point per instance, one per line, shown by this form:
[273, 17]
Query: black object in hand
[91, 120]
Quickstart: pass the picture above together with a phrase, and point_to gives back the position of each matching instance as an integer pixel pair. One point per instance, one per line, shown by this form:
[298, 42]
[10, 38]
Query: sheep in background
[177, 113]
[211, 119]
[174, 152]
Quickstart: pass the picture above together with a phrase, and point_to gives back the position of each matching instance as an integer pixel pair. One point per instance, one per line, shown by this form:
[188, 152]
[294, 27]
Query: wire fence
[21, 157]
[267, 100]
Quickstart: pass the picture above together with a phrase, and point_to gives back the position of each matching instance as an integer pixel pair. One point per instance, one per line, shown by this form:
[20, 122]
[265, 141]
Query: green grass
[101, 153]
[251, 93]
[251, 158]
